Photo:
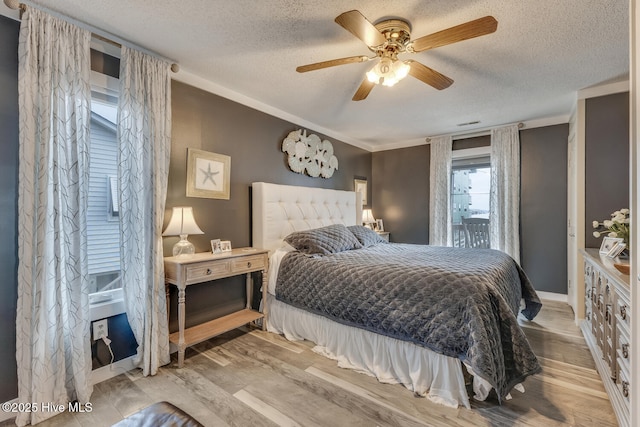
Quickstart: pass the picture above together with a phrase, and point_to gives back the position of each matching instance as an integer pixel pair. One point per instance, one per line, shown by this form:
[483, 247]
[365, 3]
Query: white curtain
[440, 194]
[144, 134]
[505, 191]
[53, 351]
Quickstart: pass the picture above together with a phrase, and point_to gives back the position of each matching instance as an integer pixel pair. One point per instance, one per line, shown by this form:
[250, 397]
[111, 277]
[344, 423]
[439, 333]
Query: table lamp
[182, 224]
[367, 218]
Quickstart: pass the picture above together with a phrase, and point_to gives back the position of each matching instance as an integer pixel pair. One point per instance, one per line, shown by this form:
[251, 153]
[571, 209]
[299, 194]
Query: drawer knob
[209, 271]
[625, 388]
[608, 289]
[623, 312]
[625, 351]
[249, 264]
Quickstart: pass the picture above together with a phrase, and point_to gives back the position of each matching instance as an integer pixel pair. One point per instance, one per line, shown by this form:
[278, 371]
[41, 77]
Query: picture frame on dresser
[608, 243]
[616, 250]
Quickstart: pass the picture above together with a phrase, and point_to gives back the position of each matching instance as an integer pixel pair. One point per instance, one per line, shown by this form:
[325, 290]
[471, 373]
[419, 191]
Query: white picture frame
[616, 250]
[379, 225]
[608, 243]
[216, 246]
[360, 186]
[225, 245]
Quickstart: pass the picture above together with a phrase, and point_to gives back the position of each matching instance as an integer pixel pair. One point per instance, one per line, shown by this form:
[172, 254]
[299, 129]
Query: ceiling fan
[391, 37]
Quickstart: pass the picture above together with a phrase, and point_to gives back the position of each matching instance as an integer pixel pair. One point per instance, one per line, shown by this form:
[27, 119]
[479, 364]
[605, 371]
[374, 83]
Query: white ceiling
[531, 68]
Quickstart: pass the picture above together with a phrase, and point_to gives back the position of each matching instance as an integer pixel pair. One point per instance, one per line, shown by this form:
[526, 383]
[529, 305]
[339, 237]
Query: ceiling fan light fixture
[388, 72]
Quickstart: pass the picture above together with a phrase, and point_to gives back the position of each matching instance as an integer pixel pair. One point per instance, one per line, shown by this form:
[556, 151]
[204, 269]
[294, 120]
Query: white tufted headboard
[279, 210]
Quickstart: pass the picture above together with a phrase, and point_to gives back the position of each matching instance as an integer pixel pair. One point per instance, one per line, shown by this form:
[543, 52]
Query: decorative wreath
[309, 154]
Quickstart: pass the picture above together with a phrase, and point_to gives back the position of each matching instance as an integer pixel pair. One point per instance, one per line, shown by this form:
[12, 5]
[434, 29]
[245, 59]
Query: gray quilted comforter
[458, 302]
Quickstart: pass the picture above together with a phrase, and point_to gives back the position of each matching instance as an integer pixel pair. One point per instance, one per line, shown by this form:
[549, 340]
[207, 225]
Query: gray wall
[543, 206]
[401, 193]
[8, 205]
[401, 199]
[252, 139]
[606, 159]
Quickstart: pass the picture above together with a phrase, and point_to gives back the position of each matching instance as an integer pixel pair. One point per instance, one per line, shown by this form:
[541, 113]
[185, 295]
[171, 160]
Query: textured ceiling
[542, 53]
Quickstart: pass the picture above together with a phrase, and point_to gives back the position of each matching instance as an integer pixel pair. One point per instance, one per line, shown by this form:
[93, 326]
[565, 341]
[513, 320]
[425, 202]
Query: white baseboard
[4, 416]
[553, 296]
[97, 376]
[106, 372]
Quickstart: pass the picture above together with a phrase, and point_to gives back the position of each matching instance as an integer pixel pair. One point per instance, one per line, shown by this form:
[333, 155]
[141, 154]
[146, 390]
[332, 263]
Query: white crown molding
[530, 124]
[605, 89]
[191, 79]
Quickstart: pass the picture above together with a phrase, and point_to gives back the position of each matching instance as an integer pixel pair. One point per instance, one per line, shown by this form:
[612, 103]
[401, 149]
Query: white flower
[596, 224]
[613, 234]
[596, 234]
[624, 211]
[607, 223]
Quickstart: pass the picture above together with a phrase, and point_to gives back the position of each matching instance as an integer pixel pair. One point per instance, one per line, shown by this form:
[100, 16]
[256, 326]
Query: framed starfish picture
[208, 174]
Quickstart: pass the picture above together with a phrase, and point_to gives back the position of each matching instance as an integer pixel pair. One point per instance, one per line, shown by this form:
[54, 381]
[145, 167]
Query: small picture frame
[616, 250]
[225, 245]
[379, 225]
[608, 243]
[216, 246]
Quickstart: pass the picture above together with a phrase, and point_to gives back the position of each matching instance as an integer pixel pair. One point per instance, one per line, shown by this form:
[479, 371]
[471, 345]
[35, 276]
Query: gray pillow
[366, 236]
[325, 240]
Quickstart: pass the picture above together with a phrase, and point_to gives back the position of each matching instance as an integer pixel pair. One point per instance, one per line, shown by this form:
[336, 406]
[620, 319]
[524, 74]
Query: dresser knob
[625, 388]
[623, 312]
[625, 351]
[249, 264]
[209, 271]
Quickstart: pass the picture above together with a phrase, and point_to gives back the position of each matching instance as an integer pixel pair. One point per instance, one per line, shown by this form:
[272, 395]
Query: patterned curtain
[440, 192]
[504, 207]
[53, 341]
[144, 134]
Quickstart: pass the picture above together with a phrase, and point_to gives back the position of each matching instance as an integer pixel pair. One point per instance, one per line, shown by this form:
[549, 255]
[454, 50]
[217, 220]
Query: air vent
[469, 123]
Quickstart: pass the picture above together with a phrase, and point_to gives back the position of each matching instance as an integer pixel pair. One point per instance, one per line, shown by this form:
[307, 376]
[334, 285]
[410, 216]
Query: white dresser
[606, 327]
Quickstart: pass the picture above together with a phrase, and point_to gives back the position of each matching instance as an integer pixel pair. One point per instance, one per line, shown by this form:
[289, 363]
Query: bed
[402, 313]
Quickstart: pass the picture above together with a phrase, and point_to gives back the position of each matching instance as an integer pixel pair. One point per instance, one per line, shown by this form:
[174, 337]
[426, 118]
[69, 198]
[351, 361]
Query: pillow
[325, 240]
[366, 236]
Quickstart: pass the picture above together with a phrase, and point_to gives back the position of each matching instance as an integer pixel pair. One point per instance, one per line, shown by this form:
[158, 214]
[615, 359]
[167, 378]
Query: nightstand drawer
[203, 271]
[248, 263]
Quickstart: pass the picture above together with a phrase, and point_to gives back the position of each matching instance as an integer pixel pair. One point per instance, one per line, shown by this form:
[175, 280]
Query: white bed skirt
[419, 369]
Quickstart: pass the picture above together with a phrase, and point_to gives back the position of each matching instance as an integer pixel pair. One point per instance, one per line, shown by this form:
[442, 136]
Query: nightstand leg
[181, 310]
[265, 310]
[249, 285]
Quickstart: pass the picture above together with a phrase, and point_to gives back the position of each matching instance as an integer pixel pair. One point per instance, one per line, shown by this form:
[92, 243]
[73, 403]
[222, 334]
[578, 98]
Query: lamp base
[183, 247]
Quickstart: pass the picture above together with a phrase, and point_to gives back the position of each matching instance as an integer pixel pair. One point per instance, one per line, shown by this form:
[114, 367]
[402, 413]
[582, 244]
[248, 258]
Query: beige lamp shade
[182, 222]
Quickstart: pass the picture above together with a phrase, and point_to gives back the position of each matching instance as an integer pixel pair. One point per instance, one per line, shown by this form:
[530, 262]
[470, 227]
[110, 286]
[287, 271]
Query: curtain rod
[480, 132]
[96, 32]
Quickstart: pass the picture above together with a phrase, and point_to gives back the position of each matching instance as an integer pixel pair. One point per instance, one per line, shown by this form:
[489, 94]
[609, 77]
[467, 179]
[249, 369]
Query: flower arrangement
[617, 226]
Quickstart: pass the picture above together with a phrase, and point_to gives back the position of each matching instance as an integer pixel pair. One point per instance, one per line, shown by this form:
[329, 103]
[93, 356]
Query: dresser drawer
[203, 271]
[248, 263]
[624, 385]
[623, 313]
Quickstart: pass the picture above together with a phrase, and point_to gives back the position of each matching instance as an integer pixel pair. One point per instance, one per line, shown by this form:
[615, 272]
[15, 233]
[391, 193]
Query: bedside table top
[208, 256]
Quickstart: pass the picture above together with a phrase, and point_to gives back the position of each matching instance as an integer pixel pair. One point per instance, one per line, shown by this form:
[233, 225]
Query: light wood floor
[260, 379]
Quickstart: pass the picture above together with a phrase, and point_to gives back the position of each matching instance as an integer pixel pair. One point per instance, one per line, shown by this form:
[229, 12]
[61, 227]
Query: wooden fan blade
[332, 63]
[355, 22]
[364, 90]
[428, 75]
[469, 30]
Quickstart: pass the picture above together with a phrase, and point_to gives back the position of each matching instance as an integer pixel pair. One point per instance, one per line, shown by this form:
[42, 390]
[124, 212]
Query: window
[470, 191]
[103, 227]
